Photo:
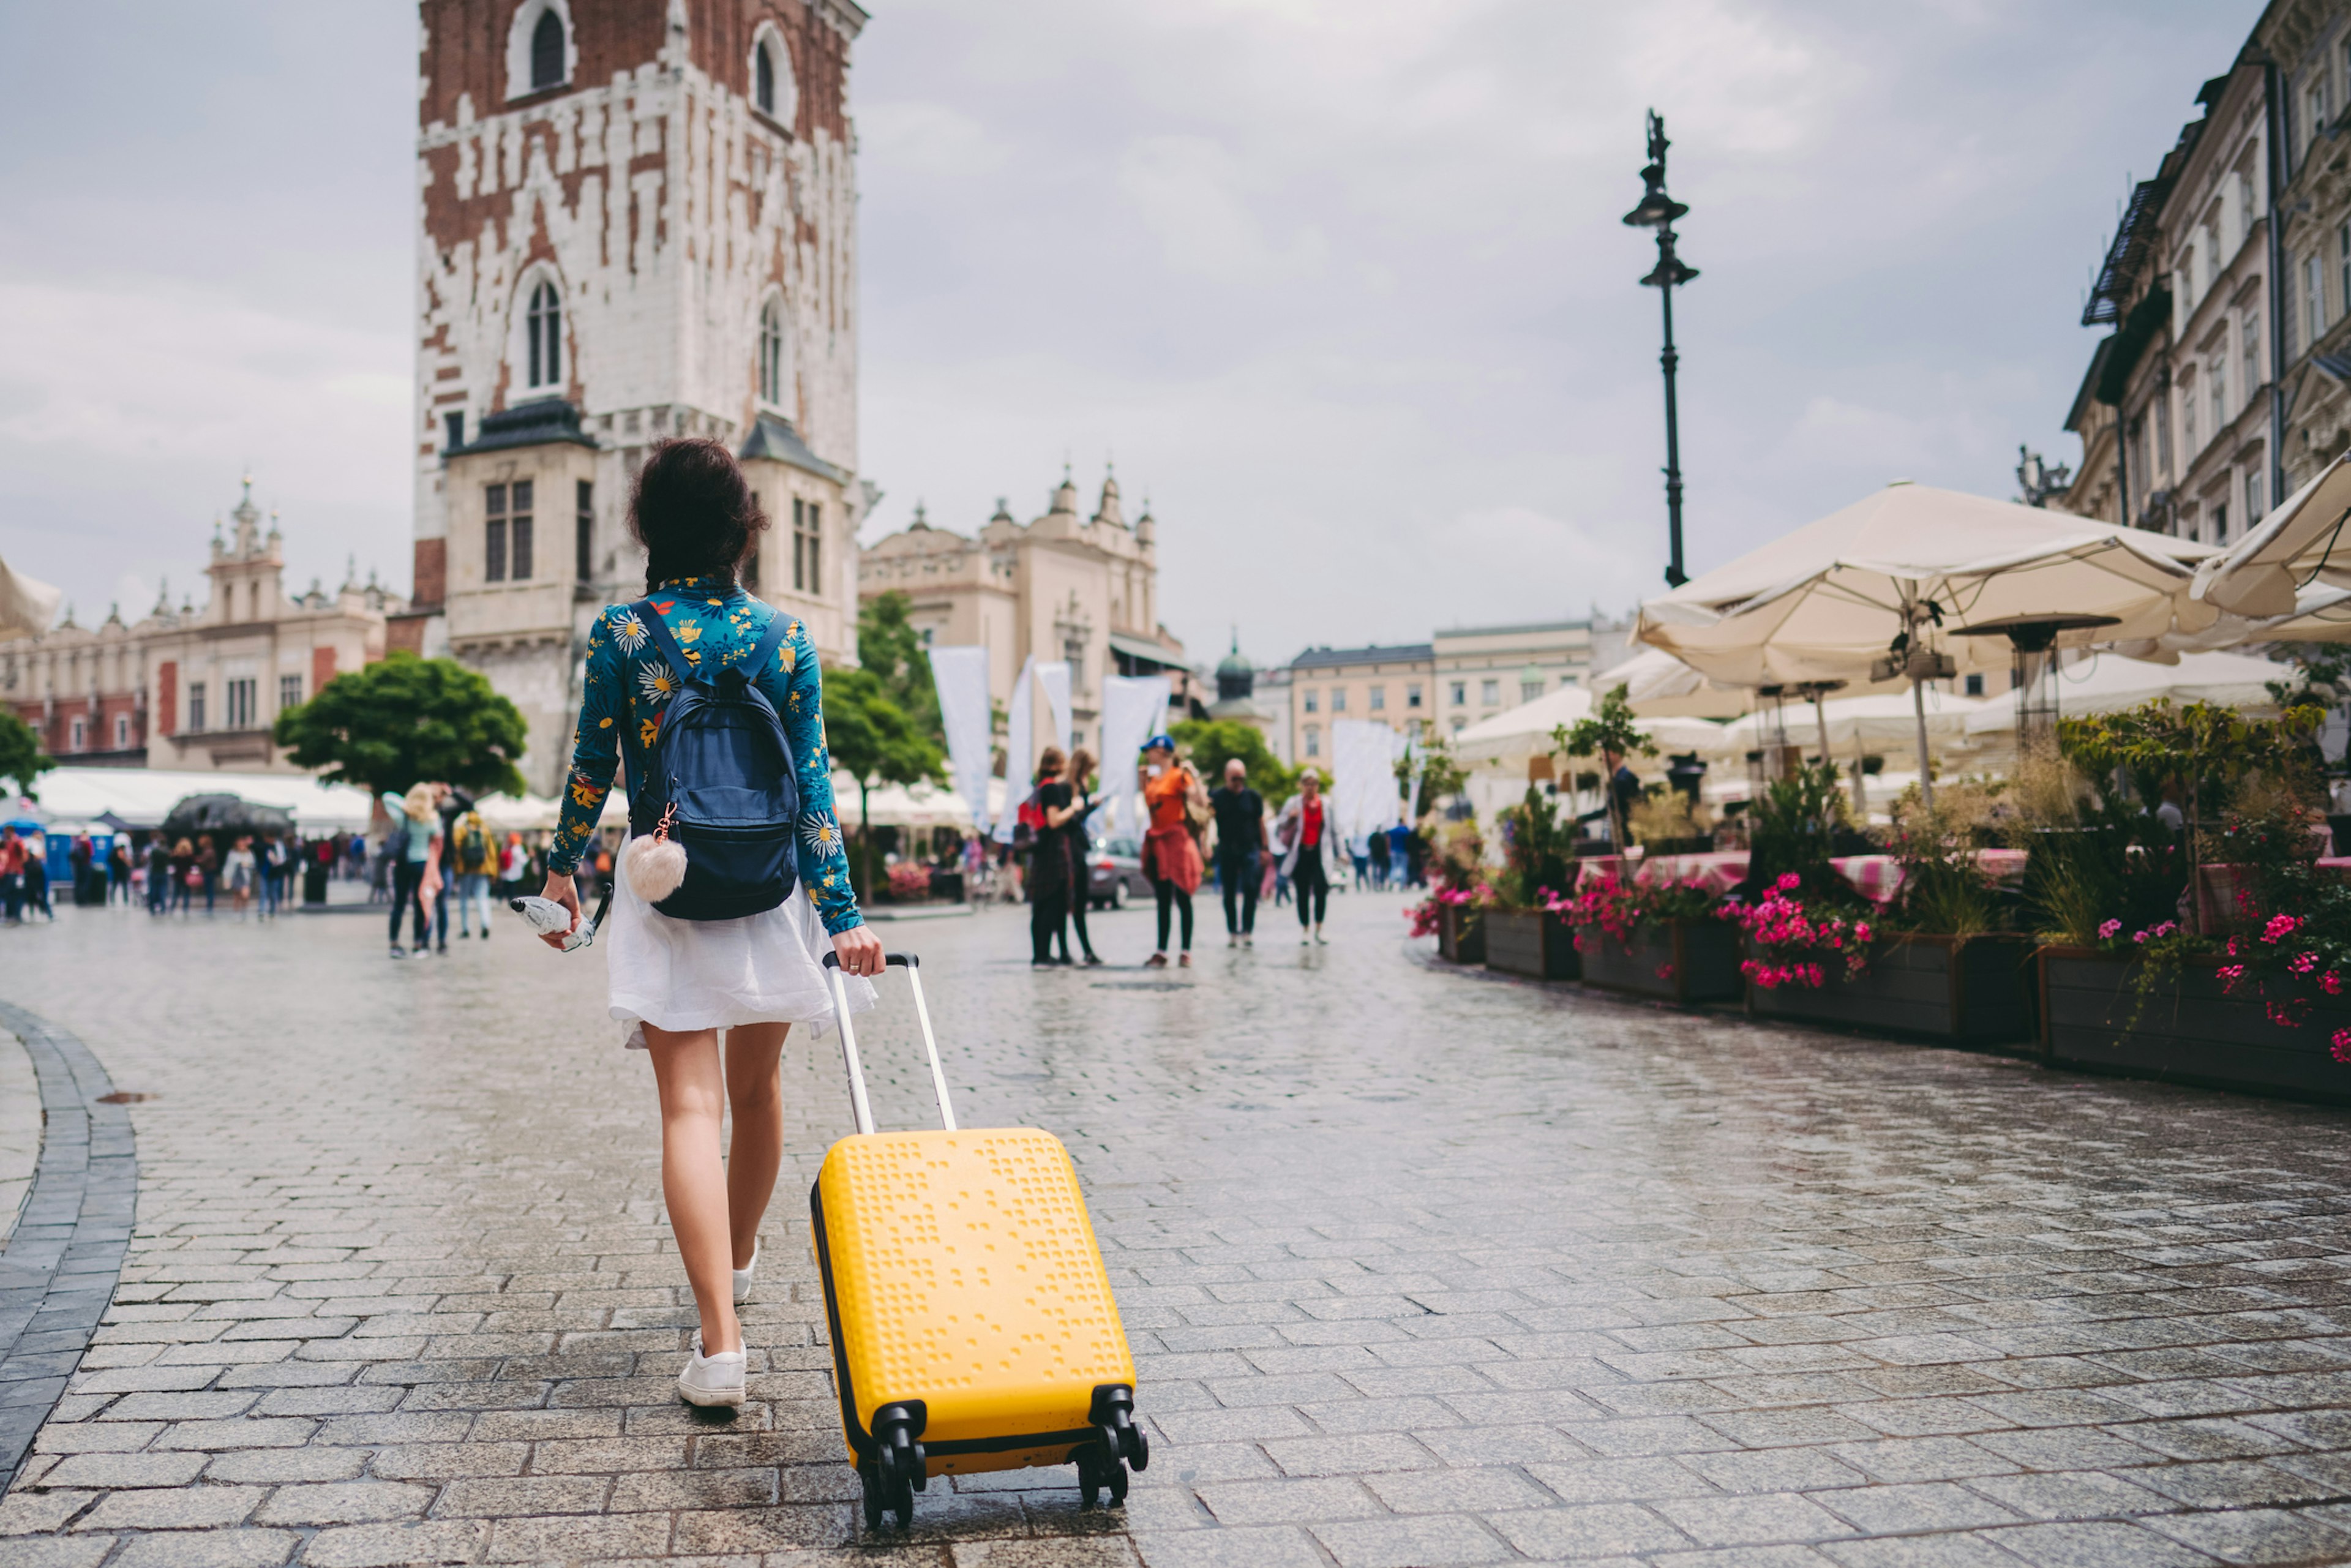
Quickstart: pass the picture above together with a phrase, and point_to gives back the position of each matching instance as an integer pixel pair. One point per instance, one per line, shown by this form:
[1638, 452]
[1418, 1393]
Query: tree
[1442, 777]
[889, 644]
[22, 761]
[1210, 743]
[1611, 731]
[873, 738]
[406, 719]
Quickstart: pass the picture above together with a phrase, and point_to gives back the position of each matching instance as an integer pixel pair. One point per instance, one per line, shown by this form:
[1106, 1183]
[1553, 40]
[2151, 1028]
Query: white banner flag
[1053, 680]
[961, 674]
[1133, 707]
[1362, 775]
[1020, 752]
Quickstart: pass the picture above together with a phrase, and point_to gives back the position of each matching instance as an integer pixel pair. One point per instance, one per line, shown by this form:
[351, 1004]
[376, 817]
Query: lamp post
[1659, 211]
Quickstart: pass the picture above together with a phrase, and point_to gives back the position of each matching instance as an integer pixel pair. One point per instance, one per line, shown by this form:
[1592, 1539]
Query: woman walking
[408, 849]
[1048, 870]
[1309, 850]
[675, 984]
[1171, 856]
[1075, 847]
[239, 870]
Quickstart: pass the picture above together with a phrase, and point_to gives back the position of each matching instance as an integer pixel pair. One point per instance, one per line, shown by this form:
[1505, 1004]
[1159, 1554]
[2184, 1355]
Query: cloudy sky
[1339, 283]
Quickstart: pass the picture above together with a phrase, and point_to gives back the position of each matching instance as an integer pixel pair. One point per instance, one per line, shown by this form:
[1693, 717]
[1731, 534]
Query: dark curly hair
[694, 513]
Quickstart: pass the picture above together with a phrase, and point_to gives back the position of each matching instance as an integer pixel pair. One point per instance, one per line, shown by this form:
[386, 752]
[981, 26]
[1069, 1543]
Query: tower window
[518, 534]
[546, 53]
[494, 533]
[808, 542]
[771, 344]
[763, 72]
[543, 326]
[583, 534]
[454, 425]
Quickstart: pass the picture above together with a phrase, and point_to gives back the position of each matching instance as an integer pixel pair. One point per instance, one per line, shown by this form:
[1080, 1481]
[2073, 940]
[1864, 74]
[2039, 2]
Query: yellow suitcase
[972, 1322]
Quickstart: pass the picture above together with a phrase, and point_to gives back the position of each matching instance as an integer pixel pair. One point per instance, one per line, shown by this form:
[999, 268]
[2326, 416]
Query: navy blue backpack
[719, 783]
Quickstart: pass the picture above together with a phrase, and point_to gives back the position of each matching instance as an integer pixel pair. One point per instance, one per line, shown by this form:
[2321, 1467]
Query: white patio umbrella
[1915, 564]
[2303, 543]
[2108, 682]
[27, 608]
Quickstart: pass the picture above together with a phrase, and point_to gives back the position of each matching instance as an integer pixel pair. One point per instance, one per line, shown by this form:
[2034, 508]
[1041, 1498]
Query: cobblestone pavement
[1420, 1268]
[20, 1131]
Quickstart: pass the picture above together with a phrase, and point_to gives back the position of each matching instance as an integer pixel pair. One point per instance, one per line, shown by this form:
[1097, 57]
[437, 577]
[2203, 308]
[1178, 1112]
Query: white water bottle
[548, 918]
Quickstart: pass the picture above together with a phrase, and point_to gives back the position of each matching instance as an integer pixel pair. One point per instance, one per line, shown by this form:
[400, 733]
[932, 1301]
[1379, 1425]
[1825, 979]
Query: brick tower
[637, 218]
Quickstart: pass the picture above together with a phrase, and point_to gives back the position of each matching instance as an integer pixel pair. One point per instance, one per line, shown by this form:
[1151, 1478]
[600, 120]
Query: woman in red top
[1171, 857]
[1310, 846]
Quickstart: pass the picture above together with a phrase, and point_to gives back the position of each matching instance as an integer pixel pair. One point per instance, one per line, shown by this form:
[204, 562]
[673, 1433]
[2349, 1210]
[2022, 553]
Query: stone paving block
[1276, 1547]
[26, 1512]
[1926, 1506]
[1752, 1520]
[2230, 1484]
[1941, 1551]
[1451, 1490]
[242, 1432]
[220, 1549]
[1597, 1530]
[1774, 1469]
[2095, 1546]
[183, 1507]
[396, 1545]
[485, 1497]
[1241, 1503]
[125, 1470]
[560, 1540]
[65, 1552]
[270, 1465]
[1427, 1541]
[1349, 1456]
[343, 1503]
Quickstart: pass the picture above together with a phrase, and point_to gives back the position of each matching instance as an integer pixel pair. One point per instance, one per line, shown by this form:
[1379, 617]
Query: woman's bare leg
[755, 1086]
[694, 1181]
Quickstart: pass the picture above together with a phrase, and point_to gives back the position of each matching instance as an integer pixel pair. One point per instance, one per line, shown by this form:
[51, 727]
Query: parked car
[1114, 874]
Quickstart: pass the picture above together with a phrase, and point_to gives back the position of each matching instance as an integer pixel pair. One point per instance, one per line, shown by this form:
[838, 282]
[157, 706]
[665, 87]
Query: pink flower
[2304, 964]
[2342, 1044]
[2331, 983]
[1789, 882]
[2230, 974]
[2107, 929]
[1861, 930]
[2279, 925]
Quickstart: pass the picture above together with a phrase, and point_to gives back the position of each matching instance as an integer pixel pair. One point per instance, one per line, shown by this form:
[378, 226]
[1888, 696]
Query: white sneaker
[710, 1380]
[1319, 938]
[743, 1277]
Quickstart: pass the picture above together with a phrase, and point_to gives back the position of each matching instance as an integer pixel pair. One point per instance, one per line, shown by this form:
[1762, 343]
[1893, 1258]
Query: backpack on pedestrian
[474, 854]
[712, 820]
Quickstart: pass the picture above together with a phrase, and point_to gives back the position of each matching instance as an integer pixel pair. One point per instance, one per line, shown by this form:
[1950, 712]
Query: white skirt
[687, 975]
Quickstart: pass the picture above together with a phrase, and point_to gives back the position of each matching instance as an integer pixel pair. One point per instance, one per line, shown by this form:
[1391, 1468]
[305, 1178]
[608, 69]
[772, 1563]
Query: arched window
[771, 353]
[775, 91]
[543, 332]
[546, 53]
[763, 68]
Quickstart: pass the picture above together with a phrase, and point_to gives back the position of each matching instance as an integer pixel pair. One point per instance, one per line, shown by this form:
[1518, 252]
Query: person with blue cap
[1171, 854]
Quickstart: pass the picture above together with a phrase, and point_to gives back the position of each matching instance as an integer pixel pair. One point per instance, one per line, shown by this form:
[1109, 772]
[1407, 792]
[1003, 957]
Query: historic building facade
[1387, 684]
[637, 220]
[1481, 670]
[1062, 586]
[196, 688]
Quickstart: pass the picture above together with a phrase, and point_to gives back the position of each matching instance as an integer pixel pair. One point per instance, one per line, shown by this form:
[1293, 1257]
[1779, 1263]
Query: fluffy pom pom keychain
[655, 866]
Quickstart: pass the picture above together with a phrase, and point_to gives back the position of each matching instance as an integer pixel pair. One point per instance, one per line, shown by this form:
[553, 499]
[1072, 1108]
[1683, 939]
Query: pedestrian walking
[1240, 850]
[408, 847]
[208, 866]
[1378, 842]
[119, 866]
[476, 856]
[1307, 848]
[81, 857]
[514, 865]
[158, 875]
[266, 854]
[13, 856]
[1400, 855]
[240, 870]
[1359, 854]
[186, 877]
[677, 983]
[36, 878]
[1171, 855]
[1049, 868]
[1075, 842]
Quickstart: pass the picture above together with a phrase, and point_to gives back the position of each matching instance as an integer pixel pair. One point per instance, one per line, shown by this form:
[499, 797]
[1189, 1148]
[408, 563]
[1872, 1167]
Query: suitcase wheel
[1099, 1471]
[885, 1495]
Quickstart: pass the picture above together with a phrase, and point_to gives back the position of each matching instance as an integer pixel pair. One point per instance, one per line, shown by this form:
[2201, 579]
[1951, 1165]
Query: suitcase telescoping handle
[857, 1101]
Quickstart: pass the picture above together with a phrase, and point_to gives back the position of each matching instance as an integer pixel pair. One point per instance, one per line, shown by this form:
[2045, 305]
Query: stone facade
[2311, 41]
[197, 689]
[637, 221]
[1482, 671]
[1060, 586]
[1387, 684]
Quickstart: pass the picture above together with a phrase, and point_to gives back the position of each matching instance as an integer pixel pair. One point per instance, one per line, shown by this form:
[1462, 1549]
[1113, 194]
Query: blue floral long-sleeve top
[629, 686]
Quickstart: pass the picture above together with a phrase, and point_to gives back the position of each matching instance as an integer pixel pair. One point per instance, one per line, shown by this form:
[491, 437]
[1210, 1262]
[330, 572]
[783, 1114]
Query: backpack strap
[779, 623]
[671, 654]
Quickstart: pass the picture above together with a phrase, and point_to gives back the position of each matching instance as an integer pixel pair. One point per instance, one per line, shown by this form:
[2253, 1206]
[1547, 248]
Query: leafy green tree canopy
[889, 644]
[1442, 777]
[406, 719]
[1210, 743]
[22, 761]
[872, 738]
[1610, 730]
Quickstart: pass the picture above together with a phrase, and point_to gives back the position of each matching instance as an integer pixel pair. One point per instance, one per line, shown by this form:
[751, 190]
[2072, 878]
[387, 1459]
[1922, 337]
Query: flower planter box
[1679, 961]
[2184, 1030]
[1968, 991]
[1462, 934]
[1530, 942]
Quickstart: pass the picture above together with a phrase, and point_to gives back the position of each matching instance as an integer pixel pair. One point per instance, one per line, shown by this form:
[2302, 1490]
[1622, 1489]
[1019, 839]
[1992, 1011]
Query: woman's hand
[561, 890]
[860, 951]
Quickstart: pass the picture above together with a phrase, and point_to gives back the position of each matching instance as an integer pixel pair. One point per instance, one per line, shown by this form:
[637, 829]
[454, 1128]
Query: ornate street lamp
[1659, 211]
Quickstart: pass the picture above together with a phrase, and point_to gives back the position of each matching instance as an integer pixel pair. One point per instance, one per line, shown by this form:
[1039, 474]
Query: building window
[1459, 725]
[546, 53]
[494, 533]
[1530, 690]
[2343, 258]
[453, 425]
[2216, 377]
[1489, 692]
[1460, 694]
[771, 345]
[2314, 306]
[77, 741]
[583, 535]
[1314, 740]
[2253, 488]
[1975, 686]
[195, 705]
[2220, 523]
[518, 551]
[2317, 101]
[1412, 694]
[808, 545]
[121, 732]
[1379, 699]
[1313, 700]
[1338, 699]
[543, 330]
[1074, 653]
[775, 91]
[2187, 415]
[240, 703]
[763, 70]
[289, 691]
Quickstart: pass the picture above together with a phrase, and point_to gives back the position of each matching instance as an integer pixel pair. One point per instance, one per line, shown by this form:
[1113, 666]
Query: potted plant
[1525, 934]
[1934, 964]
[1665, 940]
[2244, 993]
[1454, 909]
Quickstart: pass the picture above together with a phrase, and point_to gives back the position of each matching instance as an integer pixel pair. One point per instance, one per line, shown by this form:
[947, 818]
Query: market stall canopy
[2106, 683]
[142, 798]
[2302, 544]
[1881, 723]
[27, 608]
[1526, 730]
[1826, 601]
[224, 814]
